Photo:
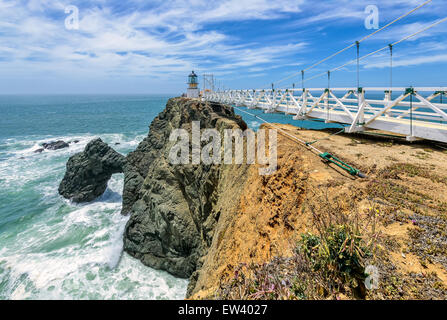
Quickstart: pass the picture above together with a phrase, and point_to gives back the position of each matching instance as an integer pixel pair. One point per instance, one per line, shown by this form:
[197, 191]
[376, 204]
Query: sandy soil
[405, 185]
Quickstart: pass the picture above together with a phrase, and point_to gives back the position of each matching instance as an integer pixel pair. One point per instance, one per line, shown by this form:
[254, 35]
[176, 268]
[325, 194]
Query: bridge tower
[208, 83]
[193, 86]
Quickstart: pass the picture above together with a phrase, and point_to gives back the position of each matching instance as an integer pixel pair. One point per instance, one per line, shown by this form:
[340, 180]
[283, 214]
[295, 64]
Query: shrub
[338, 255]
[324, 264]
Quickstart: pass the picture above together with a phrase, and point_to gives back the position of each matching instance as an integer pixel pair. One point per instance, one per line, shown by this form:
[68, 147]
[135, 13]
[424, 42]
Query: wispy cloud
[167, 38]
[163, 40]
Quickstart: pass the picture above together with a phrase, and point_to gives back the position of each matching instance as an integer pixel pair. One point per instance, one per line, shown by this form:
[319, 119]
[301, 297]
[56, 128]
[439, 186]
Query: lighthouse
[193, 86]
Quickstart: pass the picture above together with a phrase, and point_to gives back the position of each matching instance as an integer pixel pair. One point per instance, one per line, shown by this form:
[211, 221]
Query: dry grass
[328, 263]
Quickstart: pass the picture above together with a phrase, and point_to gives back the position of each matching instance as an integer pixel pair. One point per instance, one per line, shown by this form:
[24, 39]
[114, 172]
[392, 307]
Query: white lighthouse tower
[193, 86]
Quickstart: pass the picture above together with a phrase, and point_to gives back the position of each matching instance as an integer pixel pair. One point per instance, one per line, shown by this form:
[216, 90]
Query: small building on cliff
[193, 86]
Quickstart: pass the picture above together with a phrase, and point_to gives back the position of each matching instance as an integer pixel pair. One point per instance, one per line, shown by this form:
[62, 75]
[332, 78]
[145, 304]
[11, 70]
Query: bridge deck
[410, 112]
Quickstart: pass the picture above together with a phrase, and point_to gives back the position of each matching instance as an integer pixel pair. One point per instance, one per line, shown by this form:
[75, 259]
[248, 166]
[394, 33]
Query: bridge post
[326, 102]
[271, 105]
[253, 103]
[302, 111]
[388, 95]
[362, 104]
[359, 120]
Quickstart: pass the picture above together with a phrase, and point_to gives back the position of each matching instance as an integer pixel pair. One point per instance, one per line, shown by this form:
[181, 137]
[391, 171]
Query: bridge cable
[411, 115]
[391, 70]
[358, 74]
[359, 41]
[358, 64]
[326, 138]
[327, 157]
[381, 49]
[302, 79]
[328, 91]
[370, 35]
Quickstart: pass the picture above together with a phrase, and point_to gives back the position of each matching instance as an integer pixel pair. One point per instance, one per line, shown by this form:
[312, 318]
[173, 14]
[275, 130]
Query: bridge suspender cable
[302, 79]
[381, 49]
[355, 43]
[395, 43]
[391, 69]
[358, 64]
[368, 36]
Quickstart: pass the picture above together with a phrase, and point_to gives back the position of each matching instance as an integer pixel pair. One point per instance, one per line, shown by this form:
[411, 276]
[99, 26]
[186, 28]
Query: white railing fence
[417, 113]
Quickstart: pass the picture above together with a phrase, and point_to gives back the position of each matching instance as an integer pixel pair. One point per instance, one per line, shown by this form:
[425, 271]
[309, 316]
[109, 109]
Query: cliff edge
[307, 231]
[310, 230]
[174, 208]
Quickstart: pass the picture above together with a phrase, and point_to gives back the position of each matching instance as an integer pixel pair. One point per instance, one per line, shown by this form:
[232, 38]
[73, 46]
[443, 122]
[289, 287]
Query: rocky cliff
[209, 222]
[174, 208]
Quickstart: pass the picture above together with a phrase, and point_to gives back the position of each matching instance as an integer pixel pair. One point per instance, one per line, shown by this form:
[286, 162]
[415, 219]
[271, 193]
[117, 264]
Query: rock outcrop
[174, 208]
[89, 171]
[207, 221]
[55, 145]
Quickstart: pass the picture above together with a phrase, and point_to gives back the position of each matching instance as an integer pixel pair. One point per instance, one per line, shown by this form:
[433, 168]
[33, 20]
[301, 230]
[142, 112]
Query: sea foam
[61, 250]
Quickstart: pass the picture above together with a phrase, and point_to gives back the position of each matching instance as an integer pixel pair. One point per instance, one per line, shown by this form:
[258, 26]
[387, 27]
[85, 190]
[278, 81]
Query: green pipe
[351, 170]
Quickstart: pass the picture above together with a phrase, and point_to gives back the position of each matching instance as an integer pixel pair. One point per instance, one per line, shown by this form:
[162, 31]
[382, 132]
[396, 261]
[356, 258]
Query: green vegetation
[338, 255]
[324, 264]
[329, 262]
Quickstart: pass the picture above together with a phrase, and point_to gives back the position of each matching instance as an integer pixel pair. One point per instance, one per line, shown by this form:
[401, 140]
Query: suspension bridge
[414, 113]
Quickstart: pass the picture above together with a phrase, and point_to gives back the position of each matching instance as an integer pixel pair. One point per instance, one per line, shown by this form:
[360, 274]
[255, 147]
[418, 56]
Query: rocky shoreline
[173, 208]
[209, 222]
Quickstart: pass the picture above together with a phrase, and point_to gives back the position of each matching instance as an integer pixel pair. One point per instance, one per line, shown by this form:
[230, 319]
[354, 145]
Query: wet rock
[55, 145]
[39, 150]
[89, 171]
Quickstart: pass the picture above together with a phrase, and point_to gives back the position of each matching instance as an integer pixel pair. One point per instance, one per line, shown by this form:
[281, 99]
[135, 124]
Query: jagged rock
[89, 171]
[172, 207]
[40, 150]
[55, 145]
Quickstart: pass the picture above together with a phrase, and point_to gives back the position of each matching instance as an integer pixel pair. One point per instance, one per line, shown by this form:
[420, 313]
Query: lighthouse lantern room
[193, 86]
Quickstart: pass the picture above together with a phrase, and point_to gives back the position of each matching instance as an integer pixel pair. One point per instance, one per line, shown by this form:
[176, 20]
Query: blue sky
[138, 46]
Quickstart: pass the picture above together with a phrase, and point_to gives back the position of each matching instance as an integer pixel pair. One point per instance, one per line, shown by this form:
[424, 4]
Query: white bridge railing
[417, 113]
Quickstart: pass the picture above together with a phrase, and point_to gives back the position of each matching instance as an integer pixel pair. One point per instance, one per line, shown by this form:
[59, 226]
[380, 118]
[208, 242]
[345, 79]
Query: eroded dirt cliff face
[404, 193]
[174, 208]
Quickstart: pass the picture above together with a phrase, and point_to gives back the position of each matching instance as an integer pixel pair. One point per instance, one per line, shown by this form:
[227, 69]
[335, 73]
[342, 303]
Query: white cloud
[166, 39]
[110, 43]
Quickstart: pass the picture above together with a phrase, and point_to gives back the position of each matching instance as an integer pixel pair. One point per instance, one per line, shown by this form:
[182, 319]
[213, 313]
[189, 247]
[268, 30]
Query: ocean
[51, 248]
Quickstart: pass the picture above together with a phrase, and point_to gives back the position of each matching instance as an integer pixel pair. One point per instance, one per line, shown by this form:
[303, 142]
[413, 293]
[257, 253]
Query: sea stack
[89, 171]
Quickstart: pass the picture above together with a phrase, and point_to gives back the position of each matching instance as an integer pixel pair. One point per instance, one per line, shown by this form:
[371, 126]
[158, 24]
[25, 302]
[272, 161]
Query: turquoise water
[49, 247]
